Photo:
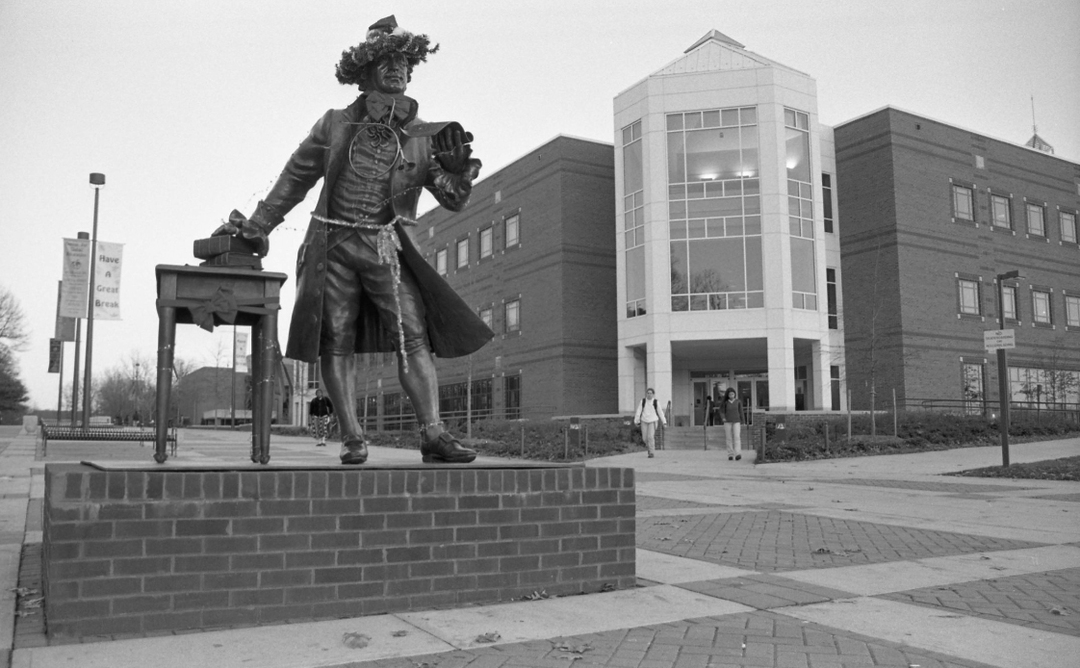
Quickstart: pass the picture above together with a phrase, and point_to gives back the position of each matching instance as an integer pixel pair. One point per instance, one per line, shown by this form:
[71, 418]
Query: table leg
[268, 353]
[166, 345]
[256, 391]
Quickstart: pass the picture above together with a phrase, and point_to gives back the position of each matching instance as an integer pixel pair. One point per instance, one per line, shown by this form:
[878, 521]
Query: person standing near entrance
[319, 411]
[731, 416]
[649, 416]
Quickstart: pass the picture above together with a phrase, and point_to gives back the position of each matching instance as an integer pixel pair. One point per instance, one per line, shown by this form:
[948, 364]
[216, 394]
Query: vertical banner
[76, 278]
[65, 327]
[110, 257]
[55, 355]
[240, 364]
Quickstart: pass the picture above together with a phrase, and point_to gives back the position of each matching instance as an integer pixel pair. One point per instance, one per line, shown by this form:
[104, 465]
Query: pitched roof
[1036, 142]
[715, 51]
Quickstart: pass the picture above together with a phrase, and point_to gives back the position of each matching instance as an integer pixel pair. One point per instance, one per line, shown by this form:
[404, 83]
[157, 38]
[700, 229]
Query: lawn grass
[1066, 468]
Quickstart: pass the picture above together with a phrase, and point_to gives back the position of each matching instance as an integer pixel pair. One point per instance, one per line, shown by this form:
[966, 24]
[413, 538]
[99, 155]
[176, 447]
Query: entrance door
[701, 390]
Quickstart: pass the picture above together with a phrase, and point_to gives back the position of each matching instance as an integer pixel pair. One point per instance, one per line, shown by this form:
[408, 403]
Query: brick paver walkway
[645, 503]
[926, 486]
[735, 641]
[646, 476]
[1048, 601]
[784, 541]
[1059, 497]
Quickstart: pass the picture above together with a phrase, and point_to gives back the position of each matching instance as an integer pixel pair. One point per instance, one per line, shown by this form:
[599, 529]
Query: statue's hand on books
[252, 231]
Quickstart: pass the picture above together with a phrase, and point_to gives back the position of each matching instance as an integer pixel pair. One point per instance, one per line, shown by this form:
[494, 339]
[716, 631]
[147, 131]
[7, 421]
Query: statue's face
[391, 74]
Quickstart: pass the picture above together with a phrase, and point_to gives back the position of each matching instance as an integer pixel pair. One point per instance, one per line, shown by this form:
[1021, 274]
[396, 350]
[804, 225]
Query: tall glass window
[1008, 301]
[1001, 211]
[800, 210]
[963, 202]
[1067, 220]
[714, 209]
[1036, 219]
[634, 219]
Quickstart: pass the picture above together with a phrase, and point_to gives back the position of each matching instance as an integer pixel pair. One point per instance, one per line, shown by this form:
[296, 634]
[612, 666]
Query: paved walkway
[875, 561]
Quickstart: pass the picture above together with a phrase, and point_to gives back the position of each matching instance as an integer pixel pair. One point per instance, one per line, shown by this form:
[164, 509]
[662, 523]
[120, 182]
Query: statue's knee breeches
[353, 272]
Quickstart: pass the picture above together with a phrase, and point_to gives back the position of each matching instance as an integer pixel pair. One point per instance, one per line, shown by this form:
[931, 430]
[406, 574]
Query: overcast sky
[191, 108]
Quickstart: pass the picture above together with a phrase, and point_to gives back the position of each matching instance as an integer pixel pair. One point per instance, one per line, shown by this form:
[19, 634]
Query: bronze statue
[362, 285]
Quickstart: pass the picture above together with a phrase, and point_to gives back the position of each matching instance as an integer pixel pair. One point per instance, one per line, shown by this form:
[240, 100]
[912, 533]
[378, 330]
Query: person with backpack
[731, 417]
[648, 416]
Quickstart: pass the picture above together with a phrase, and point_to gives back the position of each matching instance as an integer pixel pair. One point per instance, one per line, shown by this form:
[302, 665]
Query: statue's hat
[383, 37]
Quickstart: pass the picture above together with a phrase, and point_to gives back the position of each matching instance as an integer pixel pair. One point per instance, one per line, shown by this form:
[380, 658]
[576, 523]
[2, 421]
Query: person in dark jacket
[319, 411]
[362, 285]
[731, 412]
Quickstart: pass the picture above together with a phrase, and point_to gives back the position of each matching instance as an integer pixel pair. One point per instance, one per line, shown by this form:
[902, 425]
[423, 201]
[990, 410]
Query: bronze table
[210, 296]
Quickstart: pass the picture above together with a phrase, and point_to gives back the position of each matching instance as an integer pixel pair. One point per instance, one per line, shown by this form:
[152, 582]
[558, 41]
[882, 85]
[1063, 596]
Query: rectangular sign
[76, 278]
[999, 339]
[110, 257]
[240, 364]
[56, 355]
[65, 327]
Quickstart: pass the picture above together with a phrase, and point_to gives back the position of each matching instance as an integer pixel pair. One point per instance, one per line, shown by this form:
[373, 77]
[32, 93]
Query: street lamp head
[97, 179]
[1009, 275]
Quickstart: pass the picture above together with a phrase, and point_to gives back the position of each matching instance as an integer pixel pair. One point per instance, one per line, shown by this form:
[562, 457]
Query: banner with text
[76, 278]
[56, 355]
[110, 258]
[240, 364]
[65, 327]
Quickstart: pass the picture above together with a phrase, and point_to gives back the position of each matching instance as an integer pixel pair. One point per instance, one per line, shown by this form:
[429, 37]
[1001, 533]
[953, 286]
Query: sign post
[1000, 340]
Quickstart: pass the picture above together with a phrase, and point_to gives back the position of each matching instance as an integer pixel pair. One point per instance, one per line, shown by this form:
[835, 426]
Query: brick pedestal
[166, 549]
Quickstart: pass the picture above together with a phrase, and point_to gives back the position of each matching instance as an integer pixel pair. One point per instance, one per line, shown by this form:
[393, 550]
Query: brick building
[932, 215]
[534, 253]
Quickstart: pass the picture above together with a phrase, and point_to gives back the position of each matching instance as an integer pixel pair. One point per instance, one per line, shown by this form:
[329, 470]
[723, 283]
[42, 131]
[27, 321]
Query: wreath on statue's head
[384, 37]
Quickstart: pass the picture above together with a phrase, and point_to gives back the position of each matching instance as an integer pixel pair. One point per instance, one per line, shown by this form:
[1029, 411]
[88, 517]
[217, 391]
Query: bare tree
[13, 333]
[13, 337]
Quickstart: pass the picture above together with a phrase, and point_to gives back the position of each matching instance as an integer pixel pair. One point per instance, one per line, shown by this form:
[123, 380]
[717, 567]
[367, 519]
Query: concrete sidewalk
[874, 561]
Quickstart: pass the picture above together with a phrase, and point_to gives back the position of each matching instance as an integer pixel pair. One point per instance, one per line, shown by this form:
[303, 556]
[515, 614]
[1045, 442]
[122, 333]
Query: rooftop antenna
[1036, 142]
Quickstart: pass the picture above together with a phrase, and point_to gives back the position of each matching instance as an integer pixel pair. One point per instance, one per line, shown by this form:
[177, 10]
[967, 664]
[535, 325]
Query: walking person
[731, 416]
[649, 416]
[319, 411]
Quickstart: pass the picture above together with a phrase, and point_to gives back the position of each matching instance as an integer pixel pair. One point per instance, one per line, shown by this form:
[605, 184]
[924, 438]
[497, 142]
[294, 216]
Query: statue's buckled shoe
[446, 448]
[354, 451]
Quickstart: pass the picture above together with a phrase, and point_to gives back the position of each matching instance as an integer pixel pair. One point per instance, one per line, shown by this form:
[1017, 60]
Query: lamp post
[1003, 369]
[98, 182]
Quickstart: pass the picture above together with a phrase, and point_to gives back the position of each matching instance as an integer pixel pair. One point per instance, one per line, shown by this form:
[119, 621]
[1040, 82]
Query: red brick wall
[894, 193]
[154, 551]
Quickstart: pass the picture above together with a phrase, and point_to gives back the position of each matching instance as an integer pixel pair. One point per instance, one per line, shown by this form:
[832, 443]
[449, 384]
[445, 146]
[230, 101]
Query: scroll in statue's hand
[453, 152]
[253, 231]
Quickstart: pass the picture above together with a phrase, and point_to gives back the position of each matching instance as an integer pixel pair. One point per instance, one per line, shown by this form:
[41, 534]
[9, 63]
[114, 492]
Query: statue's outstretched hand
[251, 230]
[453, 152]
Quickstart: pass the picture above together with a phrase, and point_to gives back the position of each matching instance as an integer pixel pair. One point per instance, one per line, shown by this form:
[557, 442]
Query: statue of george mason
[362, 285]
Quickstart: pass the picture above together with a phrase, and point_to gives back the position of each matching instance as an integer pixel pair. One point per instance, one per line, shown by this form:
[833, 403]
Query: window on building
[512, 313]
[1045, 387]
[834, 383]
[827, 201]
[440, 261]
[1041, 312]
[970, 304]
[1072, 310]
[963, 202]
[714, 211]
[1036, 219]
[512, 396]
[312, 376]
[800, 210]
[511, 225]
[634, 219]
[463, 253]
[974, 386]
[485, 242]
[1067, 221]
[485, 315]
[1001, 211]
[830, 293]
[481, 398]
[1008, 306]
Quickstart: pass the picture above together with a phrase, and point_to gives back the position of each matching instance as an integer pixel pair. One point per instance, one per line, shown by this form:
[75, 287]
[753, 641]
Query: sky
[191, 108]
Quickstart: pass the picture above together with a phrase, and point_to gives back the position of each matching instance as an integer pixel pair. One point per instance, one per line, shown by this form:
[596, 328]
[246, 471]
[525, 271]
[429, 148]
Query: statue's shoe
[354, 451]
[446, 448]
